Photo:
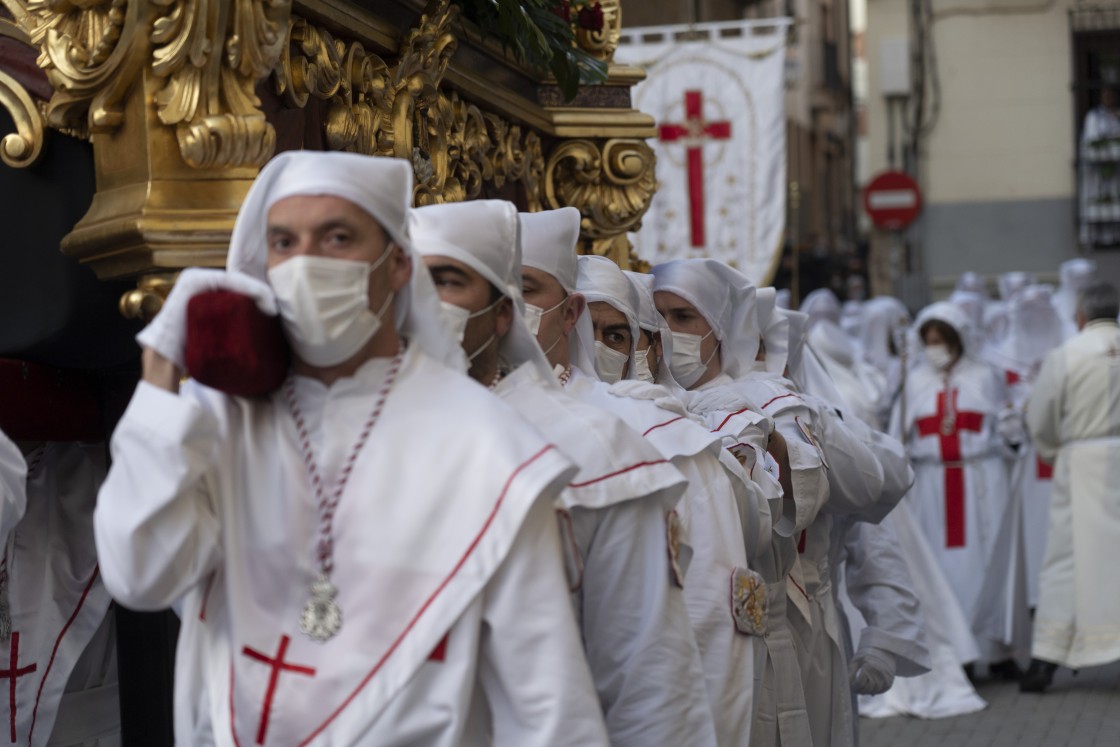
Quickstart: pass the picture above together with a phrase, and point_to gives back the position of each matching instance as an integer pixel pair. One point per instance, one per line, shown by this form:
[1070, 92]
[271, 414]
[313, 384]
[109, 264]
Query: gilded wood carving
[140, 77]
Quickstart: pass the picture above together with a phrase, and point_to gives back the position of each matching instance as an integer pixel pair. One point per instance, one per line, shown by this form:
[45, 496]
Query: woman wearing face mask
[955, 419]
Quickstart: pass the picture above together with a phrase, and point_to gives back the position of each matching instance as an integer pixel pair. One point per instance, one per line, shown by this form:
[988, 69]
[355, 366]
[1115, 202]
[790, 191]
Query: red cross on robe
[695, 131]
[13, 673]
[948, 430]
[278, 665]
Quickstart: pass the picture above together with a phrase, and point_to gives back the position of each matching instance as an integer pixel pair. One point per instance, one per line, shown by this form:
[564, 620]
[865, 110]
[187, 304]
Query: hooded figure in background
[885, 342]
[1073, 275]
[957, 422]
[1034, 329]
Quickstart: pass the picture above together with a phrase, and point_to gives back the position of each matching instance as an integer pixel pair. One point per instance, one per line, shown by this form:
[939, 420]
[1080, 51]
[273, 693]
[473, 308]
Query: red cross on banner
[12, 673]
[695, 132]
[947, 424]
[278, 665]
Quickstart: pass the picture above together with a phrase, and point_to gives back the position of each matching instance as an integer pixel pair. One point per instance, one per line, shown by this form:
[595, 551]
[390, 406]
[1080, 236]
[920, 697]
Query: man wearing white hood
[710, 309]
[554, 312]
[859, 495]
[866, 559]
[724, 513]
[423, 604]
[615, 513]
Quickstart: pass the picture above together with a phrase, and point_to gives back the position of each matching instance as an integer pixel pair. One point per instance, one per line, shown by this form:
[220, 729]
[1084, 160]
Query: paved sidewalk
[1081, 711]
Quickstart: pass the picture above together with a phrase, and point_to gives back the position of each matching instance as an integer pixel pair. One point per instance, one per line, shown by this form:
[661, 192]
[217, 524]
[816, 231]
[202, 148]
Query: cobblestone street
[1081, 711]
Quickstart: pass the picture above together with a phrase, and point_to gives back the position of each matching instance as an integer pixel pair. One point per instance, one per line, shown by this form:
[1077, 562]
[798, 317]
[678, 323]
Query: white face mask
[686, 364]
[533, 316]
[641, 367]
[324, 305]
[938, 357]
[609, 364]
[456, 317]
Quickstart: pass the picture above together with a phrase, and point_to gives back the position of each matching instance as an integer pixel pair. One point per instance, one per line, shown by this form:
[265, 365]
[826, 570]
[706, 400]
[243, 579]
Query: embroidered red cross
[951, 456]
[12, 673]
[695, 132]
[278, 665]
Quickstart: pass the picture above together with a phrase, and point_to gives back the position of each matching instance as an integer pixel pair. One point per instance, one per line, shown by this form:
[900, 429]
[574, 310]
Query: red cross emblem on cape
[695, 131]
[12, 674]
[278, 666]
[947, 424]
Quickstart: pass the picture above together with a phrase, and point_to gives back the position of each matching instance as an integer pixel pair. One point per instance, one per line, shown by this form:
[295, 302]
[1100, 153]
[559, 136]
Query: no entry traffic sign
[893, 200]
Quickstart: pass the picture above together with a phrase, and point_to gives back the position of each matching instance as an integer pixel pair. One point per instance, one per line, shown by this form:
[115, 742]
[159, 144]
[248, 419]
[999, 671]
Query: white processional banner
[721, 145]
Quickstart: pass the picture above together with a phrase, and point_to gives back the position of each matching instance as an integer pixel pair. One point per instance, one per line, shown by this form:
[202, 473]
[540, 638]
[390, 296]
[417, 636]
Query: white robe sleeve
[157, 532]
[879, 585]
[855, 477]
[1044, 409]
[532, 667]
[754, 508]
[13, 485]
[894, 464]
[808, 477]
[637, 633]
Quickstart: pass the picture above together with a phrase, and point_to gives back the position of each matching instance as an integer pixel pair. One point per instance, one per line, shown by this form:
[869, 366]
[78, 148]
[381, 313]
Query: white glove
[167, 333]
[1010, 424]
[872, 671]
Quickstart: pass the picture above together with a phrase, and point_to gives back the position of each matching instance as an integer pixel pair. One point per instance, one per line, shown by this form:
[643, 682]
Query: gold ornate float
[184, 100]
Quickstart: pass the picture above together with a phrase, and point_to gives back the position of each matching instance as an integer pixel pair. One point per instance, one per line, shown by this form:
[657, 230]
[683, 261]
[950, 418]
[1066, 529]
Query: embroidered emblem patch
[811, 439]
[748, 601]
[673, 540]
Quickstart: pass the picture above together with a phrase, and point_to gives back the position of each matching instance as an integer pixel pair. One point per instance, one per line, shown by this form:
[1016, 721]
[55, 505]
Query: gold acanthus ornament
[24, 146]
[210, 54]
[398, 109]
[92, 52]
[611, 182]
[206, 55]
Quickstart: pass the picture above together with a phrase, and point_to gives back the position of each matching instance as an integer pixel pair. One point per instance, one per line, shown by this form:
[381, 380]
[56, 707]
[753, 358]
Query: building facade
[990, 124]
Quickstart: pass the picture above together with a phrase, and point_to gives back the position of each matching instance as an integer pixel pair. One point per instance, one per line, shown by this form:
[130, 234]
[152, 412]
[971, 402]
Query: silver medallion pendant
[321, 616]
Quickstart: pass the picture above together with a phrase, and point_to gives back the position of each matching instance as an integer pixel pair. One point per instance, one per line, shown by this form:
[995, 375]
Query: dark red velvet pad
[44, 403]
[233, 346]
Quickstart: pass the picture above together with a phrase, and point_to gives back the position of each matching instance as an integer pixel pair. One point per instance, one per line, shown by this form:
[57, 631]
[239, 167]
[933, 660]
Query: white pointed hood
[483, 235]
[380, 186]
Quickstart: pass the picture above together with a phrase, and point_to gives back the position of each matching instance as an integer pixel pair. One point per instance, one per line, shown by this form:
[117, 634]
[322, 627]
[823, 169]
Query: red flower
[590, 17]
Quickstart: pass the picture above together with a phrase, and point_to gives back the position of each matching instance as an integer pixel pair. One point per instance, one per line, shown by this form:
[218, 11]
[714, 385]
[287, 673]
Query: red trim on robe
[412, 623]
[724, 422]
[780, 396]
[54, 651]
[616, 473]
[662, 425]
